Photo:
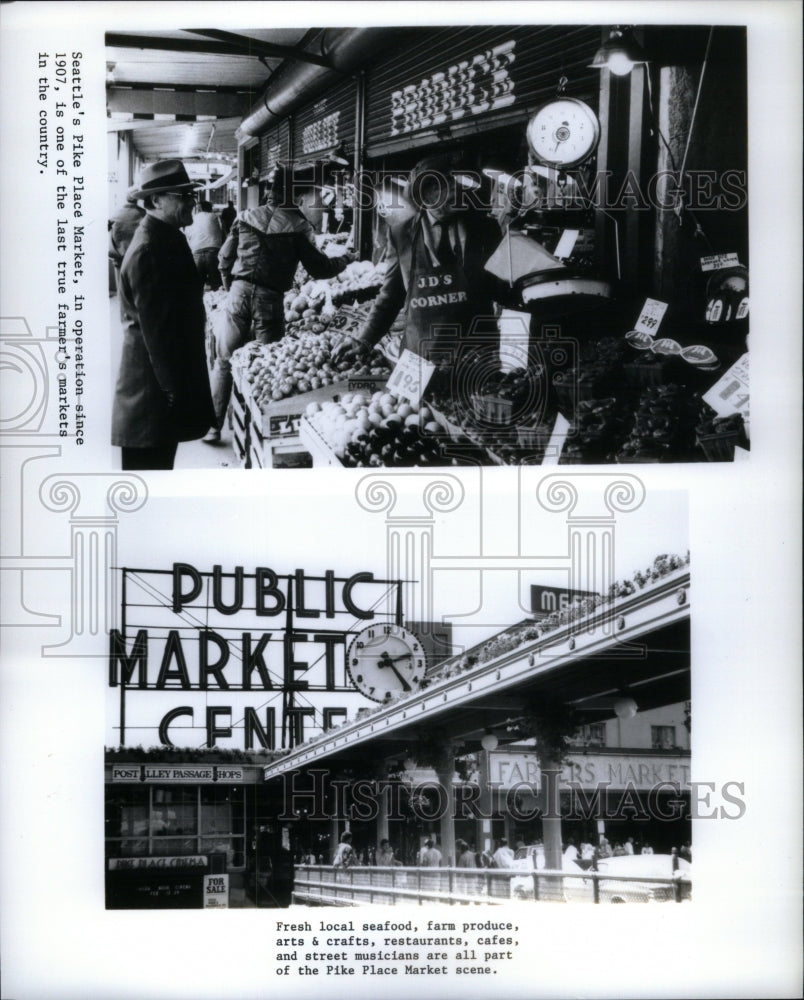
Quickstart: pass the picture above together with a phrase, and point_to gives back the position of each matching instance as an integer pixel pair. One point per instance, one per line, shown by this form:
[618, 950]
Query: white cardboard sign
[410, 376]
[651, 316]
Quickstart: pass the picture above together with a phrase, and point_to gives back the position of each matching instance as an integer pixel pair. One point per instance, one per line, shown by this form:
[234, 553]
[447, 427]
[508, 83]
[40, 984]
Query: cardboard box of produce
[281, 419]
[323, 456]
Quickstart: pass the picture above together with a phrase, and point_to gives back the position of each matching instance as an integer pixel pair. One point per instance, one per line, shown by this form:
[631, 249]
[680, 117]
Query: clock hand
[386, 661]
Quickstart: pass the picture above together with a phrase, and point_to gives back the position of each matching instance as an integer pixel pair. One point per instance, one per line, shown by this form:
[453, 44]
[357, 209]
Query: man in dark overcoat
[162, 395]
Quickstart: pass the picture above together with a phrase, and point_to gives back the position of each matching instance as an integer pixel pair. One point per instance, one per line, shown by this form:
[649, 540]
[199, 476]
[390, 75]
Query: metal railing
[323, 885]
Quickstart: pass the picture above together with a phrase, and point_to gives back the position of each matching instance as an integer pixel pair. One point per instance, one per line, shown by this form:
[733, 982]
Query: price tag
[730, 393]
[410, 376]
[566, 244]
[651, 316]
[717, 261]
[514, 330]
[558, 438]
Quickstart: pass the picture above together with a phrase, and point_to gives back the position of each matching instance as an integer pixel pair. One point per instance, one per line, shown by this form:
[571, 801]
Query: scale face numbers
[564, 132]
[384, 661]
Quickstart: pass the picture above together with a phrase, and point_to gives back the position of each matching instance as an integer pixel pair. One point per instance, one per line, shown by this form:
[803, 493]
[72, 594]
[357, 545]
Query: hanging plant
[551, 724]
[435, 752]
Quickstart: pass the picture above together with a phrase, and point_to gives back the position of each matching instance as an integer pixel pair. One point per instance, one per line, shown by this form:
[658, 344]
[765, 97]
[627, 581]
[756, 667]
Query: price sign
[651, 316]
[410, 376]
[514, 330]
[566, 244]
[730, 393]
[717, 261]
[558, 438]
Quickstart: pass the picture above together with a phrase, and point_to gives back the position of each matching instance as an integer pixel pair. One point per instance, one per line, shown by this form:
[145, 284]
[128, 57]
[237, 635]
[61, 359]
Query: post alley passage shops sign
[238, 660]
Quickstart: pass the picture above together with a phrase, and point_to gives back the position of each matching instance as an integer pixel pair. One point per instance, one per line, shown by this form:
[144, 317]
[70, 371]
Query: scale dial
[564, 132]
[385, 660]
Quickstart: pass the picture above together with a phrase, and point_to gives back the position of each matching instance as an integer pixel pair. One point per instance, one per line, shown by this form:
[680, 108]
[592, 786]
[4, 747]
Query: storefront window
[127, 812]
[180, 821]
[174, 811]
[130, 848]
[663, 737]
[594, 734]
[174, 846]
[222, 818]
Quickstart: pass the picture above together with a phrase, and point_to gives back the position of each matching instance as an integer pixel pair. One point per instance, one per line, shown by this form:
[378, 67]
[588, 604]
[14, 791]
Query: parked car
[634, 866]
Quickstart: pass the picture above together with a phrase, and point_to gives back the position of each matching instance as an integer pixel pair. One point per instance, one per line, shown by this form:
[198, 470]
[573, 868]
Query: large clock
[564, 132]
[385, 660]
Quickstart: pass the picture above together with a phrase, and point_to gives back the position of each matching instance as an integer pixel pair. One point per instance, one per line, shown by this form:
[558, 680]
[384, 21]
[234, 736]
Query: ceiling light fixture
[619, 53]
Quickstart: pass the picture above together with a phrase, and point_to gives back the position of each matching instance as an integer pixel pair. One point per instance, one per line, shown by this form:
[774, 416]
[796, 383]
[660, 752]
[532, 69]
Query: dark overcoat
[162, 392]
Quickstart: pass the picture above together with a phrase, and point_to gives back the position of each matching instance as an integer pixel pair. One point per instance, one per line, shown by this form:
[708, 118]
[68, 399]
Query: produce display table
[609, 399]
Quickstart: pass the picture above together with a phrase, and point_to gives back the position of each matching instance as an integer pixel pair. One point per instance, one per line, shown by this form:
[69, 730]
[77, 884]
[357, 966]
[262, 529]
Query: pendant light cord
[680, 207]
[695, 106]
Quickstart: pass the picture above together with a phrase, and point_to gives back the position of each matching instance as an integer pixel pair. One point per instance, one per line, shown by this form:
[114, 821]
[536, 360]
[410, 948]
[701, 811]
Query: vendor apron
[438, 309]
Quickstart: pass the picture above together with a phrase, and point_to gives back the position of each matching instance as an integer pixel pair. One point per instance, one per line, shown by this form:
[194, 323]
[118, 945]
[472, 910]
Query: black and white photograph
[400, 575]
[515, 244]
[362, 737]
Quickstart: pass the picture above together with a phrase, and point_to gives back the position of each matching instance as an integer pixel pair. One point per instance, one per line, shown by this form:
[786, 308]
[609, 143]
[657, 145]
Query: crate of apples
[368, 431]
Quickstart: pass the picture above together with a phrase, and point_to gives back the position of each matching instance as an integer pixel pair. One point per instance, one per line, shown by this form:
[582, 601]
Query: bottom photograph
[300, 737]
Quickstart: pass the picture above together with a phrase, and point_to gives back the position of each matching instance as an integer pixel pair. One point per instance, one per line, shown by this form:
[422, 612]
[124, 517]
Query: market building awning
[162, 84]
[638, 646]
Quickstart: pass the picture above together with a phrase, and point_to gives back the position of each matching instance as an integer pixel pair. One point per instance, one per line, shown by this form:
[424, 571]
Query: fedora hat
[162, 176]
[433, 168]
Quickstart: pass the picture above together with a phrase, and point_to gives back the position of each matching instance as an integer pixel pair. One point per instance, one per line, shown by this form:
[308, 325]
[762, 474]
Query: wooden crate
[275, 427]
[322, 455]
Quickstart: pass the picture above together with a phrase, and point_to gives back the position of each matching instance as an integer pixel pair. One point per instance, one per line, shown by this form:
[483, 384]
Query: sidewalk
[191, 454]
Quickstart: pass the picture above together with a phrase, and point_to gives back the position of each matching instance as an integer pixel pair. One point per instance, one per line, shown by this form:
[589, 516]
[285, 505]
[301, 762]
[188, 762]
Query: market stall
[622, 331]
[275, 383]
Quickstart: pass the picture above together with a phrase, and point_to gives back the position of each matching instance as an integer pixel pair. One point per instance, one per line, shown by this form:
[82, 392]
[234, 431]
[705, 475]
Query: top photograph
[428, 246]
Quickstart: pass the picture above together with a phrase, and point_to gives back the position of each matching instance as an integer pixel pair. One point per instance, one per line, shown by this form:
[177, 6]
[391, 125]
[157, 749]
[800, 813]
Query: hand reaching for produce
[350, 350]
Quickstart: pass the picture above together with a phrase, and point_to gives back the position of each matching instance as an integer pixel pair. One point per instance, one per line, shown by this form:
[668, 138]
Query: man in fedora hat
[162, 395]
[435, 272]
[258, 262]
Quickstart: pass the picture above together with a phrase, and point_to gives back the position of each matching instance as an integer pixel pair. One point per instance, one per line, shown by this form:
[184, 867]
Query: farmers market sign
[249, 658]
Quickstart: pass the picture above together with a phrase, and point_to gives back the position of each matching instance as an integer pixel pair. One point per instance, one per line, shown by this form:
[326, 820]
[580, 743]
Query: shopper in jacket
[228, 215]
[429, 856]
[121, 232]
[162, 395]
[258, 262]
[435, 272]
[205, 237]
[122, 228]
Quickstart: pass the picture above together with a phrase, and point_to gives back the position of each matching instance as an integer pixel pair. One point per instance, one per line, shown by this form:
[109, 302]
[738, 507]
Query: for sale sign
[216, 892]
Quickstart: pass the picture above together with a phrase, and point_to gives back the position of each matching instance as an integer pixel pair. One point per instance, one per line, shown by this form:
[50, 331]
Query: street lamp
[489, 741]
[625, 708]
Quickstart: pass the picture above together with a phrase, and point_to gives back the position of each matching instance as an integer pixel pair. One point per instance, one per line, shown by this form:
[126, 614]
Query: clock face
[564, 132]
[385, 660]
